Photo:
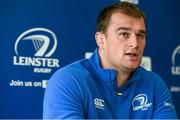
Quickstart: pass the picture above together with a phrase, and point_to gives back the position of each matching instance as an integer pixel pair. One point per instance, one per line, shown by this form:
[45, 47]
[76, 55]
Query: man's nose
[133, 41]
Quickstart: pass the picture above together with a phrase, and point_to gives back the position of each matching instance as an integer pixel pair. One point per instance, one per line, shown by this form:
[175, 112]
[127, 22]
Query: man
[111, 84]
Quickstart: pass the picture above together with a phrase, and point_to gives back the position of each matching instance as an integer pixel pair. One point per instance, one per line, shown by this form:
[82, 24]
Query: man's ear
[100, 39]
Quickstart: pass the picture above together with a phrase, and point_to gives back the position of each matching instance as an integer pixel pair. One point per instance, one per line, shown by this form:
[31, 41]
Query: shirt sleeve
[163, 106]
[62, 99]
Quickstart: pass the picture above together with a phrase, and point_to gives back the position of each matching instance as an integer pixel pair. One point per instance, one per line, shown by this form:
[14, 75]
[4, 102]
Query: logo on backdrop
[28, 83]
[40, 41]
[175, 58]
[34, 47]
[131, 1]
[140, 102]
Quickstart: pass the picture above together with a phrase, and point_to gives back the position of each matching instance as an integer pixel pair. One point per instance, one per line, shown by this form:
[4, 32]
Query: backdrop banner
[37, 37]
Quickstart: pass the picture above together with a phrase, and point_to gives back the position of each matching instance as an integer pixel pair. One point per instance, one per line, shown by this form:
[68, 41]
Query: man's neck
[122, 78]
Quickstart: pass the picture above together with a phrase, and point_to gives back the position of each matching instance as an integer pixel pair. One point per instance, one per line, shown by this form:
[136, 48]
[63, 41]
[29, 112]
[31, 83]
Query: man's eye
[141, 36]
[124, 35]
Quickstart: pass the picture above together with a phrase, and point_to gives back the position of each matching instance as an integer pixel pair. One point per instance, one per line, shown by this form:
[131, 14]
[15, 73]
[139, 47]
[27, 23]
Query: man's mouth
[132, 54]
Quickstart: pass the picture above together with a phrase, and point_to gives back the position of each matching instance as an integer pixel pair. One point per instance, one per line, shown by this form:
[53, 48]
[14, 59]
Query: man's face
[124, 42]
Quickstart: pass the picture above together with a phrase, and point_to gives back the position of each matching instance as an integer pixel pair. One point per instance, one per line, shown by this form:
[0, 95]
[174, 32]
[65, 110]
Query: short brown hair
[127, 8]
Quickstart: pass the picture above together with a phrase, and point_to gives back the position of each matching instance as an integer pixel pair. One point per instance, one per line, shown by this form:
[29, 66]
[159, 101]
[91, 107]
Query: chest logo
[99, 103]
[140, 102]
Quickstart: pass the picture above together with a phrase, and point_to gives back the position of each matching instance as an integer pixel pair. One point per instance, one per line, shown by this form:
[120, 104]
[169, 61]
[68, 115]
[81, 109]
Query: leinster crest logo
[140, 102]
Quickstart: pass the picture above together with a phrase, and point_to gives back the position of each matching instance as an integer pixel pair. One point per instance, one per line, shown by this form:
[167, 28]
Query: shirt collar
[101, 73]
[108, 75]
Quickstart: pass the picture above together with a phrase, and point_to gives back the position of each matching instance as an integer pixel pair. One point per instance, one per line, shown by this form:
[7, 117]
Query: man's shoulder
[75, 71]
[76, 67]
[149, 74]
[150, 77]
[73, 77]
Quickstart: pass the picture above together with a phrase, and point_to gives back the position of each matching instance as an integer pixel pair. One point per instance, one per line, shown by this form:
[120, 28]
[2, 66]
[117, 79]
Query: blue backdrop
[39, 36]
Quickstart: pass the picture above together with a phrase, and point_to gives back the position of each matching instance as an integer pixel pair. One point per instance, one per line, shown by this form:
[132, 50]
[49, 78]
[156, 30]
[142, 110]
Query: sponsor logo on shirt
[99, 103]
[140, 102]
[169, 104]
